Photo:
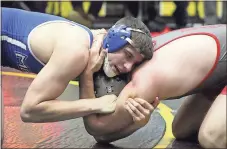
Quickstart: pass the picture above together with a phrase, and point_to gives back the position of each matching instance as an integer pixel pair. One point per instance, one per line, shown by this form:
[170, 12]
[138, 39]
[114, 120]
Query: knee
[182, 131]
[210, 137]
[177, 130]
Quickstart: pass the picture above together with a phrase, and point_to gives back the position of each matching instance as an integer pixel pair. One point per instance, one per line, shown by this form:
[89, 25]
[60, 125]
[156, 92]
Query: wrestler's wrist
[87, 75]
[87, 81]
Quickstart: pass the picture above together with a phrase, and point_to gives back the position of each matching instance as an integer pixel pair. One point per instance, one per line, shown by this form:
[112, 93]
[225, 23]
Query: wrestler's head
[128, 43]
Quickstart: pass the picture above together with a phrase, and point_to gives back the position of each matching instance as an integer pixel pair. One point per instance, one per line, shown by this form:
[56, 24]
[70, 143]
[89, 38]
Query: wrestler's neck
[97, 32]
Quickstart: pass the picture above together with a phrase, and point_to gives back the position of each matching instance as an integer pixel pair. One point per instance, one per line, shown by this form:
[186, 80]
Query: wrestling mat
[71, 133]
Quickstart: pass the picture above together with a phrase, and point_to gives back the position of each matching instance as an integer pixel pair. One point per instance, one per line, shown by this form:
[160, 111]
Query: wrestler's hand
[140, 110]
[96, 53]
[107, 103]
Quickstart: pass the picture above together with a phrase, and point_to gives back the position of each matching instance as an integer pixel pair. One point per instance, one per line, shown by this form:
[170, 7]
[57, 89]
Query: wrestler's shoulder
[71, 35]
[63, 28]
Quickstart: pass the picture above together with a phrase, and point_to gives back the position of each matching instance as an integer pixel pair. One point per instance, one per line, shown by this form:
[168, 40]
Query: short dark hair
[142, 41]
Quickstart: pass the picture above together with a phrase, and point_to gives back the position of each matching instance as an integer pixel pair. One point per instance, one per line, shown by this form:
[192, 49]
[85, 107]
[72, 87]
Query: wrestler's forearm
[87, 91]
[58, 110]
[86, 86]
[117, 135]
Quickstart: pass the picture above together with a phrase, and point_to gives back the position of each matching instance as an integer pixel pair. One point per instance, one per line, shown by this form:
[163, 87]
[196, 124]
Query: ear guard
[117, 37]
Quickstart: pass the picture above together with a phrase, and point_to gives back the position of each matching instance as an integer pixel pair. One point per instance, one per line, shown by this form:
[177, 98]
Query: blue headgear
[117, 37]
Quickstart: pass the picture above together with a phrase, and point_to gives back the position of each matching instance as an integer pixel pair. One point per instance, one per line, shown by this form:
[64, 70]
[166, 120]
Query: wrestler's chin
[115, 70]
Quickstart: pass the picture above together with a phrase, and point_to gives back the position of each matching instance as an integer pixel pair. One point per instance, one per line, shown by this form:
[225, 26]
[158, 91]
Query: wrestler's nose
[128, 66]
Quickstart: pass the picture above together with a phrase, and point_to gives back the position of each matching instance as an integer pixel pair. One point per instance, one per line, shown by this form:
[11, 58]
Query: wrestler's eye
[128, 54]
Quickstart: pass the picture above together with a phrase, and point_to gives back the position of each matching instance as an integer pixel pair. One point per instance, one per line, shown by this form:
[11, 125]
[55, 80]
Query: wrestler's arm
[140, 110]
[67, 61]
[120, 119]
[124, 132]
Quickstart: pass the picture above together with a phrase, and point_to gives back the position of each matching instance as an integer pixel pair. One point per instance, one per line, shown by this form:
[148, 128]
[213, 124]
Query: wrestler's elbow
[92, 129]
[102, 139]
[31, 113]
[27, 115]
[95, 127]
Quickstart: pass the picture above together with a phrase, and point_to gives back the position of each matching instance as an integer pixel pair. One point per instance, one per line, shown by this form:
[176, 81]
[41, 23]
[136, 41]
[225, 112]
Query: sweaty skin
[168, 72]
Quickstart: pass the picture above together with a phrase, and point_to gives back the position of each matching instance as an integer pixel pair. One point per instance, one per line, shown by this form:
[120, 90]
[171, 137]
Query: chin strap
[107, 69]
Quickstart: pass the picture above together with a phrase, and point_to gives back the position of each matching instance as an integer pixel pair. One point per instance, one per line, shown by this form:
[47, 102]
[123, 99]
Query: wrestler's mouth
[116, 70]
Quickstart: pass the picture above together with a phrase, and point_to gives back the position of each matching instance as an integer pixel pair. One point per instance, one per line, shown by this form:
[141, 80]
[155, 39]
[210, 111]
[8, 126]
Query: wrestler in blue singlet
[16, 27]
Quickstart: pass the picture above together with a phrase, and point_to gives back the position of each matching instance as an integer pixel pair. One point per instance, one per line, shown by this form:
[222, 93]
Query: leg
[189, 116]
[212, 133]
[181, 14]
[151, 10]
[78, 15]
[133, 7]
[210, 12]
[37, 6]
[95, 8]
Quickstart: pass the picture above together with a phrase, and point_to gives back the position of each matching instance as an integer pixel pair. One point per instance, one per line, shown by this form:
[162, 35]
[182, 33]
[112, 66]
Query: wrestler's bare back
[178, 67]
[44, 38]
